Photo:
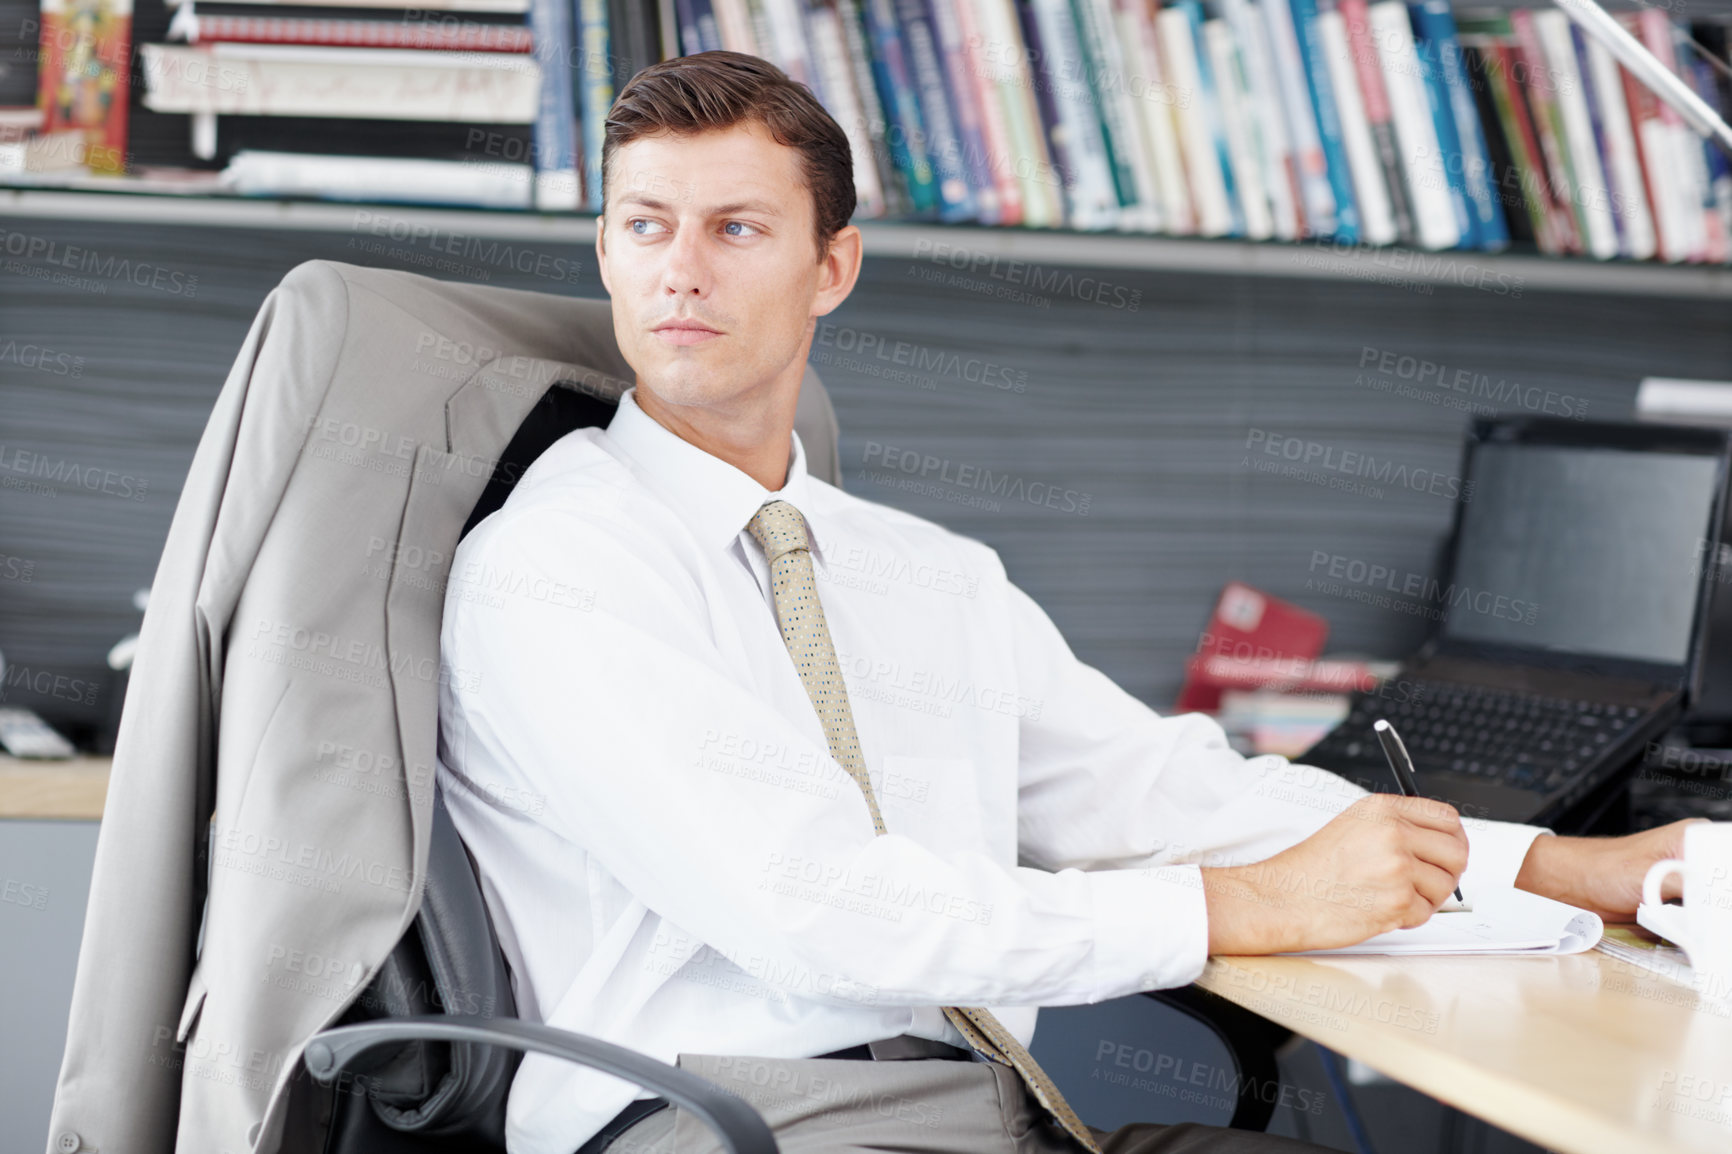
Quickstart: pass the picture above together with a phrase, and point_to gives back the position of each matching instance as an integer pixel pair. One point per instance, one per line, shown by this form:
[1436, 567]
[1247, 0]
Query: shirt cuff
[1151, 929]
[1495, 852]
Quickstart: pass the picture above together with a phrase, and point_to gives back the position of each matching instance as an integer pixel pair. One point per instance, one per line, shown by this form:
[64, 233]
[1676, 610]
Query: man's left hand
[1602, 874]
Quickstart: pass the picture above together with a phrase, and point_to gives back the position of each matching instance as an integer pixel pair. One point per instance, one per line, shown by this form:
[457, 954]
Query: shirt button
[67, 1142]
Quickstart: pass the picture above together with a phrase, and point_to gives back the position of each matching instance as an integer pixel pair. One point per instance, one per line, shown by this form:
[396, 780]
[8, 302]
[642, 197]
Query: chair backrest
[435, 1096]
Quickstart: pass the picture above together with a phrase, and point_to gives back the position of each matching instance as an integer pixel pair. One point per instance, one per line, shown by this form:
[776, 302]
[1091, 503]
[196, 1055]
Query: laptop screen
[1582, 550]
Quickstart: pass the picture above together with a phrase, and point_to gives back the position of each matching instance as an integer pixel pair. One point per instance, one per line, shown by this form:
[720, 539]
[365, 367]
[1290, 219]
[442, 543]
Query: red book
[83, 75]
[1250, 626]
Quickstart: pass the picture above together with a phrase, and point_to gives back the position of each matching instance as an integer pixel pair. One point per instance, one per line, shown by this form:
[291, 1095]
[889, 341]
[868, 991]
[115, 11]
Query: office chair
[423, 1060]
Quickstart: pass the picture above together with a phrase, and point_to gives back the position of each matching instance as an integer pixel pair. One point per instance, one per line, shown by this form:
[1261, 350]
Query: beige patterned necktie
[781, 530]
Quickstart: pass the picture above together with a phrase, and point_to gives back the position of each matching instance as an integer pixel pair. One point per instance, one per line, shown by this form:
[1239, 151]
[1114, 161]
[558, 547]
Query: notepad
[1508, 921]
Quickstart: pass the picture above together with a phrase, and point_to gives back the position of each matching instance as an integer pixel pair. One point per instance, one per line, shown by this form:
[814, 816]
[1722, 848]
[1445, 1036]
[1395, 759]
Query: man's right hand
[1385, 862]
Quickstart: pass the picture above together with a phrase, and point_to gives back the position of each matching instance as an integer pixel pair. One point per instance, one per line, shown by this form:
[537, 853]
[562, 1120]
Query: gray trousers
[919, 1106]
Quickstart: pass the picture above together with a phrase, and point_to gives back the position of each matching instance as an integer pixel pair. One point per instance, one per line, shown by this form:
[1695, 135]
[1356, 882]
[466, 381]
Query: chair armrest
[741, 1128]
[1250, 1039]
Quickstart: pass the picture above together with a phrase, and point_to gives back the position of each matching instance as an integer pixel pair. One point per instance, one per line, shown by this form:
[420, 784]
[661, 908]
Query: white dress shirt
[673, 860]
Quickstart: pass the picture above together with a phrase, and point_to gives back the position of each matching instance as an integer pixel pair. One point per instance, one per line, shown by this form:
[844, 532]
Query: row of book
[1367, 123]
[1361, 122]
[493, 102]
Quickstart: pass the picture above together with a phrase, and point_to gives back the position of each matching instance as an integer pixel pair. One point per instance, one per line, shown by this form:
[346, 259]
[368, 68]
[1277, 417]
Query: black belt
[900, 1048]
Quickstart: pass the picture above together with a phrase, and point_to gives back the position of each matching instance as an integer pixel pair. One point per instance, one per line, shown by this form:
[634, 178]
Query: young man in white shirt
[656, 772]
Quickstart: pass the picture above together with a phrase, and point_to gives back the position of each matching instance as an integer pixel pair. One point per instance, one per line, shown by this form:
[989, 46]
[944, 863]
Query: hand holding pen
[1396, 752]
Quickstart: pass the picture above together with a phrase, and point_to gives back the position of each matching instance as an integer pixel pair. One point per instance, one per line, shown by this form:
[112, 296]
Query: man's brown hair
[717, 90]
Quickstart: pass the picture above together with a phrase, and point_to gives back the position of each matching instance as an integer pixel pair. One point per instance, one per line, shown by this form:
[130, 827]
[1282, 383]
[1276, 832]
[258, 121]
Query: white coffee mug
[1703, 924]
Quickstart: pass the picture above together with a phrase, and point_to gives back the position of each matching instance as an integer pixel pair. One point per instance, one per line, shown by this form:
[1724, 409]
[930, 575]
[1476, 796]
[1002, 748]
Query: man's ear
[601, 250]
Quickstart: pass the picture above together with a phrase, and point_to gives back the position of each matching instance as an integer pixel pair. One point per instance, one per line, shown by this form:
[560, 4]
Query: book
[1234, 94]
[1006, 54]
[1158, 102]
[1316, 195]
[1104, 75]
[1329, 131]
[1437, 102]
[1208, 184]
[1269, 123]
[555, 152]
[830, 53]
[1624, 167]
[891, 182]
[1504, 175]
[1375, 97]
[1370, 192]
[1592, 197]
[304, 80]
[1435, 27]
[905, 128]
[466, 36]
[594, 92]
[83, 77]
[1075, 130]
[1434, 218]
[996, 143]
[967, 101]
[378, 179]
[943, 146]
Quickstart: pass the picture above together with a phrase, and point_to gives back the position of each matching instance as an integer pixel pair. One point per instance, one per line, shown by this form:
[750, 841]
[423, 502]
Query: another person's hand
[1603, 874]
[1386, 862]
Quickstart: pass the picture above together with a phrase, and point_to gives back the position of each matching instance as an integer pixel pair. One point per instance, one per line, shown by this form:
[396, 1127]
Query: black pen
[1402, 764]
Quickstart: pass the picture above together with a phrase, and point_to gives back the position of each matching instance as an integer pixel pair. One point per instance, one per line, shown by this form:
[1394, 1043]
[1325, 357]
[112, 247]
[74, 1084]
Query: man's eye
[634, 222]
[741, 224]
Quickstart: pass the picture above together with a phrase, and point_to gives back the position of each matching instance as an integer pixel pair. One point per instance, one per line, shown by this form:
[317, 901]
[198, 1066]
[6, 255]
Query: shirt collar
[714, 498]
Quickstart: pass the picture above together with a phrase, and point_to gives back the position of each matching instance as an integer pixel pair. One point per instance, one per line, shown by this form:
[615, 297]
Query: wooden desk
[1579, 1053]
[71, 790]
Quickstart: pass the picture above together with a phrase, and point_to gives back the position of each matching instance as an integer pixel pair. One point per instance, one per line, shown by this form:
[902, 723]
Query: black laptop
[1571, 613]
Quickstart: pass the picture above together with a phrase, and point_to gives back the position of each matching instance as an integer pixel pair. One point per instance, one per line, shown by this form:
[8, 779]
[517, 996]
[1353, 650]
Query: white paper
[1500, 922]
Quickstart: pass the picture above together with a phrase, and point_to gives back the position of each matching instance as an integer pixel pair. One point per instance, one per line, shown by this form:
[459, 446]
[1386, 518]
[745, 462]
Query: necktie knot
[780, 529]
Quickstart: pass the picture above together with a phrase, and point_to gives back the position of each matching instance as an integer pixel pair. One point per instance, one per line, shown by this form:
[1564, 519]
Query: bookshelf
[890, 239]
[160, 138]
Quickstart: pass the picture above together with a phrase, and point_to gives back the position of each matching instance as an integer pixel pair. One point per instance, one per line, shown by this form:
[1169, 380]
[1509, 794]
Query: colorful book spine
[1539, 85]
[1209, 101]
[842, 99]
[1007, 51]
[1443, 123]
[1435, 26]
[595, 83]
[1316, 193]
[1104, 75]
[1376, 98]
[1280, 174]
[1000, 149]
[904, 125]
[555, 151]
[1156, 104]
[1587, 178]
[1075, 129]
[709, 30]
[1236, 123]
[872, 108]
[1370, 194]
[943, 146]
[1623, 167]
[1434, 216]
[1311, 54]
[963, 88]
[1209, 192]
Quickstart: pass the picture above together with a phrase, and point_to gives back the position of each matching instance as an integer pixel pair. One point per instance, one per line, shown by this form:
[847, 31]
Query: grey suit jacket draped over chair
[273, 773]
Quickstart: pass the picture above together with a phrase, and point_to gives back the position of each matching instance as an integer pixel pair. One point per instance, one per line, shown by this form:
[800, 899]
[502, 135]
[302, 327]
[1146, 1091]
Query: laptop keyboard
[1524, 740]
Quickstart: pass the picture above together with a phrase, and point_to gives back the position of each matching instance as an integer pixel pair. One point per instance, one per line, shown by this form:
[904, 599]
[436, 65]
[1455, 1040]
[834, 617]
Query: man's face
[716, 229]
